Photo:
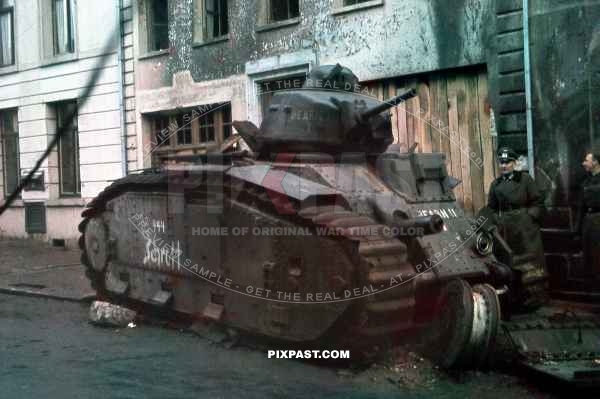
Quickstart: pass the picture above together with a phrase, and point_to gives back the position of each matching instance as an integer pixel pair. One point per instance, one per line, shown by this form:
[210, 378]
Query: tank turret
[329, 113]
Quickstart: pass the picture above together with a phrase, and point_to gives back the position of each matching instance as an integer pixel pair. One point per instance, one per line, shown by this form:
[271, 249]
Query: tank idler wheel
[486, 321]
[452, 323]
[465, 325]
[96, 244]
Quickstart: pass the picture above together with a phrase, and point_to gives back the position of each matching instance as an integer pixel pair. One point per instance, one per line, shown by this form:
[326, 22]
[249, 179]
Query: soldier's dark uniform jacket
[517, 203]
[589, 224]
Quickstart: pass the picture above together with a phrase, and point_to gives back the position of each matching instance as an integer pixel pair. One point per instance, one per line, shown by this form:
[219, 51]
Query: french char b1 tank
[319, 235]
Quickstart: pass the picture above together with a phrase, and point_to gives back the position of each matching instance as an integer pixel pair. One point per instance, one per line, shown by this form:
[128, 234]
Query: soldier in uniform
[517, 203]
[589, 215]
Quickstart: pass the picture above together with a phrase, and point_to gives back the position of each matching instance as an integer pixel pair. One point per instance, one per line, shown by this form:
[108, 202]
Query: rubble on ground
[110, 315]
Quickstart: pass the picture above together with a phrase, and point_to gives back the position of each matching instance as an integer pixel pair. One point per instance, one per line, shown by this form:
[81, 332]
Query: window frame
[272, 20]
[70, 8]
[11, 11]
[217, 15]
[60, 113]
[46, 34]
[339, 6]
[150, 31]
[3, 138]
[267, 23]
[200, 34]
[218, 125]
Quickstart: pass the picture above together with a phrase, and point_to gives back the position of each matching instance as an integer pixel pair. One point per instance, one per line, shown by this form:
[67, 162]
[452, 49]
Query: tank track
[380, 257]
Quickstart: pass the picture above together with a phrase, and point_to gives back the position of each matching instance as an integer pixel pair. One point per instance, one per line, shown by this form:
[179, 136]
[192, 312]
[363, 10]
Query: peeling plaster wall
[565, 62]
[399, 37]
[388, 39]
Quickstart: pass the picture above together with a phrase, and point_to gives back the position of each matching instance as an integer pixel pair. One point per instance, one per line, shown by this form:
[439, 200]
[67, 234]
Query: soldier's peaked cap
[507, 154]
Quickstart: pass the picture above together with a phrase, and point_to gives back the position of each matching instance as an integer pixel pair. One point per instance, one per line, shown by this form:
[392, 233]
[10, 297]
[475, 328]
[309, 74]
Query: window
[217, 23]
[184, 130]
[353, 2]
[7, 45]
[68, 149]
[281, 10]
[207, 128]
[211, 20]
[227, 122]
[157, 14]
[193, 129]
[63, 26]
[161, 130]
[9, 140]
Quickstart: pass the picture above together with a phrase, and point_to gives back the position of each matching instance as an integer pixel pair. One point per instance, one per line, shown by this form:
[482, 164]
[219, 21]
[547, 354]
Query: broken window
[157, 24]
[63, 26]
[68, 149]
[197, 128]
[9, 140]
[281, 10]
[7, 45]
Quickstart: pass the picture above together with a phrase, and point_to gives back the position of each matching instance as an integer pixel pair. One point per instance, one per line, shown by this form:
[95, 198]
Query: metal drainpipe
[120, 61]
[528, 106]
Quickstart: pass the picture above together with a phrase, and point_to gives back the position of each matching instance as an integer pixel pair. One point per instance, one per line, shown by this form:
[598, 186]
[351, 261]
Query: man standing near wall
[589, 214]
[515, 199]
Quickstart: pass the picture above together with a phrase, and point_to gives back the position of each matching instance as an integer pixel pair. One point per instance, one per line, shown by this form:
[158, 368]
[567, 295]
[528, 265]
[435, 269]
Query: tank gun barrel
[392, 102]
[420, 226]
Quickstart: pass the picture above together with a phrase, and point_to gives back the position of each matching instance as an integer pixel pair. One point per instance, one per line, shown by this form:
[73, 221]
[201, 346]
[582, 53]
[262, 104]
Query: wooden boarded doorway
[451, 115]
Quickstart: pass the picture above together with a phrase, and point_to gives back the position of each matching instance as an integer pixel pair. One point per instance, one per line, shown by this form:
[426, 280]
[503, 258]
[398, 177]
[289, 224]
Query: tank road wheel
[451, 327]
[96, 244]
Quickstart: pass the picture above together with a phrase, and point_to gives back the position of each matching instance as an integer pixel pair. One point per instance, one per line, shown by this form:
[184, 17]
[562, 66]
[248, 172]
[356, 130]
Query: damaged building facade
[185, 57]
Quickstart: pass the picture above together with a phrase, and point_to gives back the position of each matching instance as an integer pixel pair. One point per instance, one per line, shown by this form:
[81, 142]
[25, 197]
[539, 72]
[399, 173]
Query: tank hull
[294, 251]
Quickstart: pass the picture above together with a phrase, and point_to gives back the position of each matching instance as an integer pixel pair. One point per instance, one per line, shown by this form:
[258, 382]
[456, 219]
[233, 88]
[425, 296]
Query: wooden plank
[443, 123]
[510, 103]
[508, 63]
[475, 152]
[394, 110]
[465, 161]
[411, 106]
[380, 93]
[455, 154]
[422, 116]
[434, 92]
[402, 132]
[511, 123]
[487, 148]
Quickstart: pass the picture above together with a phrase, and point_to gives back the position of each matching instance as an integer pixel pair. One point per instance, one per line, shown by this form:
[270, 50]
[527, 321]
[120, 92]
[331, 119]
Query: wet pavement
[34, 268]
[49, 350]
